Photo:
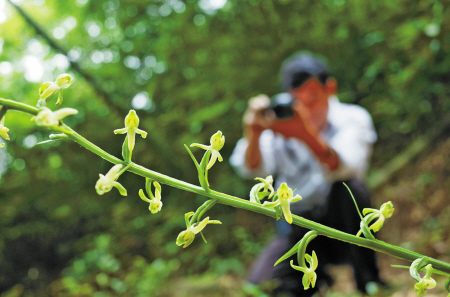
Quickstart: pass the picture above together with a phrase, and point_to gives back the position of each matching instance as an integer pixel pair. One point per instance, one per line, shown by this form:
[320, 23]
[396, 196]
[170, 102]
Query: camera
[281, 105]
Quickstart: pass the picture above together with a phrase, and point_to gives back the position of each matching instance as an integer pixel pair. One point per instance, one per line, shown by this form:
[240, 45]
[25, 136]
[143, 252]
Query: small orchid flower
[106, 182]
[4, 132]
[155, 201]
[262, 189]
[310, 276]
[48, 118]
[386, 211]
[426, 282]
[285, 196]
[48, 89]
[217, 141]
[131, 128]
[187, 236]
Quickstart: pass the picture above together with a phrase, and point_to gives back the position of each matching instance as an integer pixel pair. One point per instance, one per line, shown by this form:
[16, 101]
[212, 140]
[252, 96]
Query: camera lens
[281, 104]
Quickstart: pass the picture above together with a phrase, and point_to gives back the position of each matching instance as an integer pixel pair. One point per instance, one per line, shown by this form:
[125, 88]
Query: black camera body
[281, 104]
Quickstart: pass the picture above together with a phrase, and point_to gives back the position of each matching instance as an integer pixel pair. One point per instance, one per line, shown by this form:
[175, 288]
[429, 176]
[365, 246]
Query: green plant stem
[225, 199]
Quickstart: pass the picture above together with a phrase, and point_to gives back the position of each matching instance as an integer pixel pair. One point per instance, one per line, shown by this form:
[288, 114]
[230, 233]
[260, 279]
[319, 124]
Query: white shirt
[350, 133]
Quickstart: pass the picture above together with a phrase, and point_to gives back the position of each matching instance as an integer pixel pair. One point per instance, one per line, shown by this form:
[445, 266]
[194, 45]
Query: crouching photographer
[306, 138]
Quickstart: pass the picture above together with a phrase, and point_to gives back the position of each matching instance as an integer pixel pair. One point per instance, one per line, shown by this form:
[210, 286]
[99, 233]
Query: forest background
[188, 68]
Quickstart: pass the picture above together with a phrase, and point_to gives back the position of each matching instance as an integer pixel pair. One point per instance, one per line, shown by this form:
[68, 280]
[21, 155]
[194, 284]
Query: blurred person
[323, 144]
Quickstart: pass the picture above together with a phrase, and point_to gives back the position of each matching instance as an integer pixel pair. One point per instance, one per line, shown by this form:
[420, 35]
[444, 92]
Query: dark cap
[300, 68]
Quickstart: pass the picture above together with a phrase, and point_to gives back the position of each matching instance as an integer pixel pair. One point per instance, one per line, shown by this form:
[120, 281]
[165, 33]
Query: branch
[225, 199]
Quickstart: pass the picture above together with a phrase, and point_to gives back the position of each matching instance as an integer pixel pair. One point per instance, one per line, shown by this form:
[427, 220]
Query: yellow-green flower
[310, 276]
[155, 201]
[187, 236]
[49, 88]
[262, 189]
[426, 282]
[386, 211]
[285, 197]
[217, 141]
[48, 118]
[4, 132]
[106, 182]
[131, 128]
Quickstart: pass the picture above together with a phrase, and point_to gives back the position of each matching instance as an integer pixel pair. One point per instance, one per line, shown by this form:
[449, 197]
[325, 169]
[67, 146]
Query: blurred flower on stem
[131, 128]
[187, 236]
[426, 282]
[285, 197]
[4, 132]
[155, 201]
[51, 119]
[310, 276]
[262, 189]
[217, 142]
[48, 89]
[106, 182]
[386, 211]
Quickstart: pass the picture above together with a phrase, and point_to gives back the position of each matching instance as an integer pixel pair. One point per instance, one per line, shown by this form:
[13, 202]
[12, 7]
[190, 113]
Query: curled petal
[142, 133]
[214, 155]
[295, 199]
[121, 189]
[60, 98]
[120, 131]
[64, 112]
[205, 147]
[143, 197]
[378, 224]
[64, 80]
[286, 210]
[271, 204]
[299, 268]
[48, 89]
[111, 175]
[198, 228]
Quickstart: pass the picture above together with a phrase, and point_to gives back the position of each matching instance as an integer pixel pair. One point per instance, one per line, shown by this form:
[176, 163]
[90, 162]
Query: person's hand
[256, 119]
[300, 126]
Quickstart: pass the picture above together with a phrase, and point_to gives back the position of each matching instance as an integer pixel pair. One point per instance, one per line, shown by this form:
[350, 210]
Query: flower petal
[121, 189]
[205, 147]
[64, 112]
[198, 228]
[120, 131]
[143, 197]
[271, 204]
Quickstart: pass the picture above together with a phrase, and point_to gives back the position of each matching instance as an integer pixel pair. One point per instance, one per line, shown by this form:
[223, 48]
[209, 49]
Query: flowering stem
[374, 244]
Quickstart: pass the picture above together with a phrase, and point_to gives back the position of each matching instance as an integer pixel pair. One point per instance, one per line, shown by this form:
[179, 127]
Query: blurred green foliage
[188, 68]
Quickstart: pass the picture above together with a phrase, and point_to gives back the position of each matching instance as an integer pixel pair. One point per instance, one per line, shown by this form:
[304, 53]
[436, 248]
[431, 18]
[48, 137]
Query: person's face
[312, 100]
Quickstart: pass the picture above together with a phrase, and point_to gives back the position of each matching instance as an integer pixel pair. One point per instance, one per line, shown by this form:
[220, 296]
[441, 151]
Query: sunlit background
[188, 68]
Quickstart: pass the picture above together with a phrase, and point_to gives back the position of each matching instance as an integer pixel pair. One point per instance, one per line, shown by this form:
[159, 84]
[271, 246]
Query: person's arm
[303, 130]
[255, 122]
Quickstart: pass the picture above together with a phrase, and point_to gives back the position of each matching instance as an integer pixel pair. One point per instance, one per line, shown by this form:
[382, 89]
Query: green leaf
[201, 173]
[304, 242]
[278, 213]
[126, 154]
